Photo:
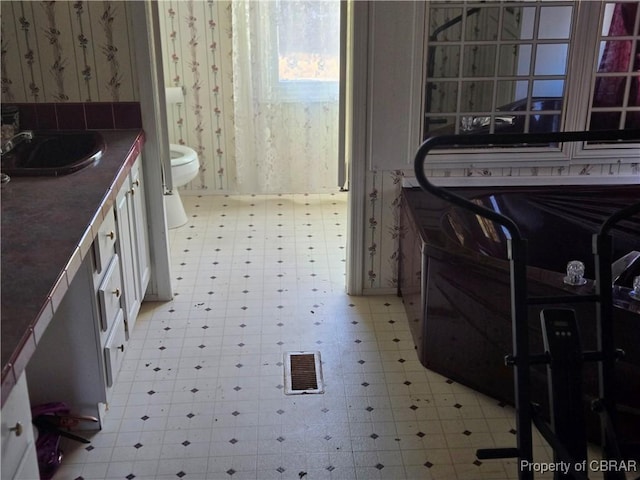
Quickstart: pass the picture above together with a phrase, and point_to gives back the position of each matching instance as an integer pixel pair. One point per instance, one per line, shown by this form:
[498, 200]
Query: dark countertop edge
[25, 348]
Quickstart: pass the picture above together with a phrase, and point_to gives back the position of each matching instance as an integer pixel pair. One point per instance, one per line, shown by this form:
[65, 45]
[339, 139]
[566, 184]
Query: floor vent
[303, 373]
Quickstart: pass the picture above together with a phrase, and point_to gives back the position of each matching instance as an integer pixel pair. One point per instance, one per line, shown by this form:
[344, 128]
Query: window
[616, 88]
[304, 57]
[531, 67]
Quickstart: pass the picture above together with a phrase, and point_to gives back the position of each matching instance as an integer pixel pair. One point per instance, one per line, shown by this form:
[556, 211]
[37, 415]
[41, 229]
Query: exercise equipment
[563, 354]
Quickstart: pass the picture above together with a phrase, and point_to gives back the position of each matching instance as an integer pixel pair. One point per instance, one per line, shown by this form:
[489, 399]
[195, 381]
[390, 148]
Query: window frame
[587, 17]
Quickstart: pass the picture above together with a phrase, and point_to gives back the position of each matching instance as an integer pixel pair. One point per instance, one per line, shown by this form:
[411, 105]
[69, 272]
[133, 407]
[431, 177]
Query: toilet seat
[181, 155]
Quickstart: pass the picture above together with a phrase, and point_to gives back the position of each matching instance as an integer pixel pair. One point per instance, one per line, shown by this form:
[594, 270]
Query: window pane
[444, 61]
[609, 92]
[633, 120]
[634, 91]
[512, 91]
[551, 59]
[477, 96]
[544, 123]
[518, 23]
[479, 61]
[619, 19]
[605, 121]
[548, 88]
[445, 24]
[445, 125]
[443, 97]
[546, 104]
[614, 56]
[514, 60]
[555, 22]
[482, 24]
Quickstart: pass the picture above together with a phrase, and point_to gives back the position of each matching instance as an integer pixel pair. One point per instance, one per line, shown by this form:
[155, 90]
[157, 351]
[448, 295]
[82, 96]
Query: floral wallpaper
[196, 48]
[82, 52]
[67, 52]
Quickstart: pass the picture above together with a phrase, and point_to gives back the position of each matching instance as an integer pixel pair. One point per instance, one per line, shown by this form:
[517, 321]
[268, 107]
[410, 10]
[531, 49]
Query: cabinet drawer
[109, 294]
[105, 242]
[114, 349]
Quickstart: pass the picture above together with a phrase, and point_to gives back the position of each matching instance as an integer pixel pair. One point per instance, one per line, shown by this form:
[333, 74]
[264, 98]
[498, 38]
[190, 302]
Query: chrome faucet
[623, 263]
[14, 141]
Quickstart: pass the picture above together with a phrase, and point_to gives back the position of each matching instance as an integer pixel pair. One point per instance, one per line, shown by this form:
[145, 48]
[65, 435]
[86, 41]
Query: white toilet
[184, 168]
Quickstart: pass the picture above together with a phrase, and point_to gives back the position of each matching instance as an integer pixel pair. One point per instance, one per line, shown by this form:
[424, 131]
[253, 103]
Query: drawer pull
[111, 234]
[121, 347]
[137, 183]
[17, 429]
[117, 292]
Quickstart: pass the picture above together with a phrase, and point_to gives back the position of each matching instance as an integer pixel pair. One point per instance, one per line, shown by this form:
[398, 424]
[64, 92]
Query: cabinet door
[126, 250]
[18, 447]
[139, 227]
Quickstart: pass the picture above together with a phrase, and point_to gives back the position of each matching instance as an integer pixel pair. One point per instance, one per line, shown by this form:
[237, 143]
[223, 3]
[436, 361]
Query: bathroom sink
[53, 154]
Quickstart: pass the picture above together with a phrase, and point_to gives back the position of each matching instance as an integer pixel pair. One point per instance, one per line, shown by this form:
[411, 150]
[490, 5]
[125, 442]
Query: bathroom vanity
[455, 283]
[75, 267]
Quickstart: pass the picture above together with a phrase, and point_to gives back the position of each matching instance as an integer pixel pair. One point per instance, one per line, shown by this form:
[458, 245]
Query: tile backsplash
[79, 116]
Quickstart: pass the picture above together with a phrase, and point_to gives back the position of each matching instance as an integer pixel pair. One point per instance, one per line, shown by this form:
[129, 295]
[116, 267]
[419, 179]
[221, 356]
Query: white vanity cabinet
[19, 459]
[132, 243]
[79, 355]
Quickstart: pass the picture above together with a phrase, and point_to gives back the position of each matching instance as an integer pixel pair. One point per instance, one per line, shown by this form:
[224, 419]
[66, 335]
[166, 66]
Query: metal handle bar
[513, 139]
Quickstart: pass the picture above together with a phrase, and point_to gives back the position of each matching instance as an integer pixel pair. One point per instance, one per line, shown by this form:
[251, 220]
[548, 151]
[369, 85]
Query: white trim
[394, 79]
[156, 147]
[357, 68]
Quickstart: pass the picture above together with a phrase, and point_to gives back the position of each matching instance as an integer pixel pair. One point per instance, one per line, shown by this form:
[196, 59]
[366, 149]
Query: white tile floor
[200, 395]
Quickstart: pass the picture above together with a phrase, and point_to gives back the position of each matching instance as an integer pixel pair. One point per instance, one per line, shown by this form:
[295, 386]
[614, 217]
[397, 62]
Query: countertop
[48, 227]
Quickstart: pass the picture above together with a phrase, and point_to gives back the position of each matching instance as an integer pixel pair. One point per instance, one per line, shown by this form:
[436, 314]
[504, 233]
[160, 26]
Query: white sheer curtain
[285, 80]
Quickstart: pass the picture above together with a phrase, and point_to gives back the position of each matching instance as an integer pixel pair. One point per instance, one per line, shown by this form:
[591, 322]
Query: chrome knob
[117, 292]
